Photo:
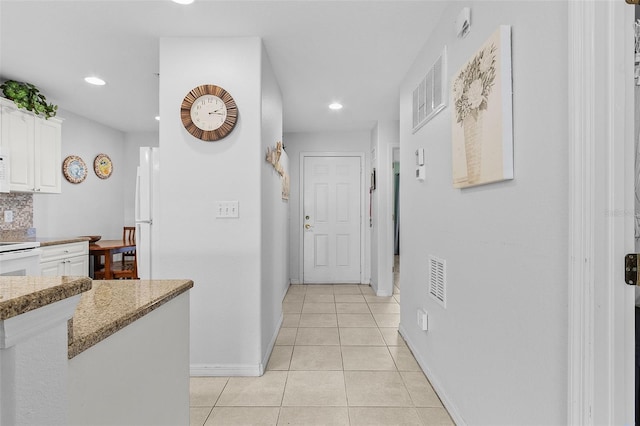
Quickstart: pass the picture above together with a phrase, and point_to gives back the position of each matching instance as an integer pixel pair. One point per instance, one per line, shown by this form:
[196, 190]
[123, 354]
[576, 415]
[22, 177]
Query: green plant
[27, 96]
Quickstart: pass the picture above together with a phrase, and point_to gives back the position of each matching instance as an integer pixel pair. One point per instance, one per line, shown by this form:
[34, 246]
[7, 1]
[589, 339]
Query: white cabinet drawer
[64, 251]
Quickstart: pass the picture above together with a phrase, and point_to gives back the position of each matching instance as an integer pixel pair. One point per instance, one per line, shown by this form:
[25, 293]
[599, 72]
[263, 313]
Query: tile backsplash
[22, 207]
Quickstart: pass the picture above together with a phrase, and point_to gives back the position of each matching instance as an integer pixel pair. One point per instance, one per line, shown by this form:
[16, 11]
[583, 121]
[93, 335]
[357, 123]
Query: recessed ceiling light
[95, 81]
[183, 1]
[158, 117]
[335, 105]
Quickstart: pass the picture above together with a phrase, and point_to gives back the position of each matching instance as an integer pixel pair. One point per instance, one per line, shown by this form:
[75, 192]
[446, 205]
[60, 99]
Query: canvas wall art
[482, 133]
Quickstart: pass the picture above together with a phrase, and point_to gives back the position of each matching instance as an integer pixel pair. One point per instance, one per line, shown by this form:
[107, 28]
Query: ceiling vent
[438, 280]
[429, 98]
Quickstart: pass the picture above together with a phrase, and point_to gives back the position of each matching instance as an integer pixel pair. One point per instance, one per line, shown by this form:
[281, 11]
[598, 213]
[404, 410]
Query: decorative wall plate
[102, 166]
[74, 169]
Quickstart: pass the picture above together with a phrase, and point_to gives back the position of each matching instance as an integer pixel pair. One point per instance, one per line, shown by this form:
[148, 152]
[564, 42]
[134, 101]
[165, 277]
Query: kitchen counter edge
[19, 295]
[96, 319]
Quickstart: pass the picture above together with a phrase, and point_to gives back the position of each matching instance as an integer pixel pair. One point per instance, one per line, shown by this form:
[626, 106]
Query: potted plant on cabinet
[27, 96]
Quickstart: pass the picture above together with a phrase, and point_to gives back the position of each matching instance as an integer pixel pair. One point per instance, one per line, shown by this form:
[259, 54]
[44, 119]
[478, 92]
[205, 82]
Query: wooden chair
[128, 266]
[129, 235]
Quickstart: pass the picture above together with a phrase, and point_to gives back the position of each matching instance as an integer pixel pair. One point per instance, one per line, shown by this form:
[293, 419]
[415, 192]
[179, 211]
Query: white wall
[222, 256]
[275, 226]
[95, 206]
[137, 376]
[498, 353]
[295, 143]
[383, 137]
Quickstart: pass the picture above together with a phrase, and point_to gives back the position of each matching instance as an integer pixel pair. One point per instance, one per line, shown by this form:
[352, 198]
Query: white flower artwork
[482, 132]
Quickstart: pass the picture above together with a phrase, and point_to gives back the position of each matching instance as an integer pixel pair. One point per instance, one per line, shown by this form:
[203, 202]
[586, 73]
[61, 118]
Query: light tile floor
[338, 360]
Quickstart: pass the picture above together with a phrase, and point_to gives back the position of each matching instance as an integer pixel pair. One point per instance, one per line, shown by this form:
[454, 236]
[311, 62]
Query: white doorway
[332, 218]
[395, 205]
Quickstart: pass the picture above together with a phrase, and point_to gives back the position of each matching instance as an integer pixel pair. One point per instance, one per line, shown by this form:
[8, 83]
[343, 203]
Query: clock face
[209, 112]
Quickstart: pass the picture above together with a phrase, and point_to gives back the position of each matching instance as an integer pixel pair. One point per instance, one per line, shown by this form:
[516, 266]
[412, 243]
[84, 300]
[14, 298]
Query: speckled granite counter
[48, 241]
[111, 305]
[23, 294]
[104, 308]
[54, 241]
[29, 235]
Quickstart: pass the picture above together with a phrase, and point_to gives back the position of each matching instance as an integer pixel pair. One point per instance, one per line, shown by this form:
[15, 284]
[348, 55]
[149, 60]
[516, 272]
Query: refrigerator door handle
[150, 221]
[137, 205]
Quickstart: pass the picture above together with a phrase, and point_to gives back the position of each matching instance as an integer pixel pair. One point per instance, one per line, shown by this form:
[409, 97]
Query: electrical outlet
[423, 320]
[8, 216]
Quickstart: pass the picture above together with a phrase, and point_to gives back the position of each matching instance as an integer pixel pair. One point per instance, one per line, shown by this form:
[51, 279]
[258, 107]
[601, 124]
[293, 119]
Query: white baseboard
[272, 342]
[374, 286]
[295, 281]
[237, 370]
[216, 370]
[435, 383]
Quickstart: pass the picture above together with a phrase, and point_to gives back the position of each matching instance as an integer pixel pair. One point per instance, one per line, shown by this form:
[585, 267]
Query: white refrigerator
[146, 205]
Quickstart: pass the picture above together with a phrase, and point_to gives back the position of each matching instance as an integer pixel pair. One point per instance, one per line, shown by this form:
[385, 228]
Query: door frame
[389, 250]
[601, 212]
[361, 155]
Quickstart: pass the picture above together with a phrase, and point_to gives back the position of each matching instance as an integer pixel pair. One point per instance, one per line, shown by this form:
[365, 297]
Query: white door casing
[332, 218]
[601, 162]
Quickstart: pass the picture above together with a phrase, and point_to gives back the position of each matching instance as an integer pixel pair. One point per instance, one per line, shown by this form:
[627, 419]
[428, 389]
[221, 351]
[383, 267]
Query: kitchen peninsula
[73, 351]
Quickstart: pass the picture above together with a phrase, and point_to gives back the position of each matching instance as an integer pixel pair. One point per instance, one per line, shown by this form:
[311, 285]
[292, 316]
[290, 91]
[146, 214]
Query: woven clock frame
[209, 135]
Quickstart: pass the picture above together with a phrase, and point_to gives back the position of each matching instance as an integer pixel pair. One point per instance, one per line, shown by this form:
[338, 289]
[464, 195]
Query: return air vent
[438, 280]
[429, 97]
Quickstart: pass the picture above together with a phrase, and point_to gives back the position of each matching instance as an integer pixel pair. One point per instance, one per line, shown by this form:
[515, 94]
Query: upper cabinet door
[34, 147]
[17, 142]
[47, 156]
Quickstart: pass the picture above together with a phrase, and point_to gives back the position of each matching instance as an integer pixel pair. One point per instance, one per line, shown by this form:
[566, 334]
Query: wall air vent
[438, 280]
[429, 97]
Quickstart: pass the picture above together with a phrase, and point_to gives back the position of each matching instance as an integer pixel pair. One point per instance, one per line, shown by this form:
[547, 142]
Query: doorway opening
[396, 219]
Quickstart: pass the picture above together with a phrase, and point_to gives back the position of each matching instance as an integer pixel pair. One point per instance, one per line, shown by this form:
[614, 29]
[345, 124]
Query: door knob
[307, 226]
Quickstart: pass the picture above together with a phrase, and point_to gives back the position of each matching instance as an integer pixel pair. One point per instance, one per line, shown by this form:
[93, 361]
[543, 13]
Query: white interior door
[331, 219]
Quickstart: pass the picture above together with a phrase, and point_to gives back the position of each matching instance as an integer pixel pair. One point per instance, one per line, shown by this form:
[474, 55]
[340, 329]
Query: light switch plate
[8, 216]
[227, 209]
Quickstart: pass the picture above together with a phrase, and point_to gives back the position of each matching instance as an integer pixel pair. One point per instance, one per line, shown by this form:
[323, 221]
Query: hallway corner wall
[221, 255]
[384, 136]
[274, 264]
[501, 343]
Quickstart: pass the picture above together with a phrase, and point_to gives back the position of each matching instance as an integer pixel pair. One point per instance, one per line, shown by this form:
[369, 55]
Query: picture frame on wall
[482, 124]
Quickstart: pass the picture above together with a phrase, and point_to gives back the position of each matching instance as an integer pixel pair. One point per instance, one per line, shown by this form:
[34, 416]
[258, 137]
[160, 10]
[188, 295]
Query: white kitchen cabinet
[65, 259]
[33, 146]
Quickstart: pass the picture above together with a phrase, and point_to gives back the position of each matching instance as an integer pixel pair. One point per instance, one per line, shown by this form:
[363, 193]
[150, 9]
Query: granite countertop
[53, 241]
[113, 304]
[23, 294]
[104, 308]
[29, 235]
[47, 241]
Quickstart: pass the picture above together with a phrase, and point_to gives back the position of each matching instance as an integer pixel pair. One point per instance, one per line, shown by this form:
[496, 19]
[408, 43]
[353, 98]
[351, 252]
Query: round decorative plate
[74, 169]
[103, 166]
